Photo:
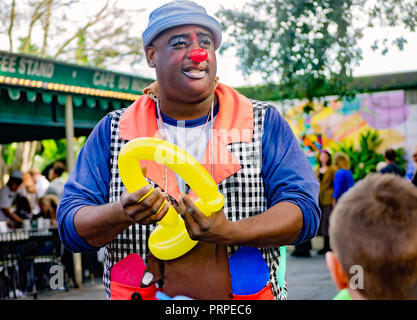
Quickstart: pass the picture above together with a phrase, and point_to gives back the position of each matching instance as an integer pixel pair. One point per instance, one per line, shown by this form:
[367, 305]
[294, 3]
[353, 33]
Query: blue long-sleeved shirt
[287, 175]
[343, 181]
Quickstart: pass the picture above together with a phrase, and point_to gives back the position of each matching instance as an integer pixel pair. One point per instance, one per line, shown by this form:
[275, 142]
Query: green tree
[309, 47]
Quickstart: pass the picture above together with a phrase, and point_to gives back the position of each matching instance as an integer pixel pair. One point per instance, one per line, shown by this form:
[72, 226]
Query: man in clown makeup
[247, 147]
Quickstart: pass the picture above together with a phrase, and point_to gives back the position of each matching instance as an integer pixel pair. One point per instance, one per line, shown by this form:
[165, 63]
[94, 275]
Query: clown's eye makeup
[178, 42]
[205, 42]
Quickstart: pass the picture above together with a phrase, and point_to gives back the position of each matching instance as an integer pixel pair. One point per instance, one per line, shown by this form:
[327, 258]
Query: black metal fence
[26, 258]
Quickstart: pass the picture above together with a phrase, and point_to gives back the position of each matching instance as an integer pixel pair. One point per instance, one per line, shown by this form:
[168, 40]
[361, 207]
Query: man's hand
[115, 217]
[216, 228]
[144, 210]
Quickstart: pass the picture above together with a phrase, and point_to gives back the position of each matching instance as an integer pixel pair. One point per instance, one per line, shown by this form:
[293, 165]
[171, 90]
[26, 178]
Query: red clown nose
[198, 55]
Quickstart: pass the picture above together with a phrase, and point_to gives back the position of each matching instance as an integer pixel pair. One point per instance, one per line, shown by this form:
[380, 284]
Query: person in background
[22, 208]
[8, 195]
[48, 205]
[41, 183]
[325, 174]
[414, 178]
[56, 186]
[30, 192]
[391, 166]
[373, 240]
[343, 178]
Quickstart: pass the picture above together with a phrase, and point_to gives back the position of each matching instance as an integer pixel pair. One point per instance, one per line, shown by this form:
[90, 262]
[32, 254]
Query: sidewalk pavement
[90, 291]
[307, 279]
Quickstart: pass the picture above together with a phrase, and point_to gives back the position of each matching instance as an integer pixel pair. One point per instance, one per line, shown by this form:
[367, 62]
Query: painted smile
[195, 72]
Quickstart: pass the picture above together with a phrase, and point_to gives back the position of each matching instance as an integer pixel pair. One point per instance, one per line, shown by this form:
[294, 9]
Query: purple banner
[384, 110]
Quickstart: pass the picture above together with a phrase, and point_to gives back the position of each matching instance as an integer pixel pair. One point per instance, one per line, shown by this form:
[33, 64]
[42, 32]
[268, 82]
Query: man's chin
[197, 89]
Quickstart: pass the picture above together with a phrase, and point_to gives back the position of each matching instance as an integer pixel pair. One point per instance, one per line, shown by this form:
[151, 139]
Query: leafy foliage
[307, 46]
[55, 150]
[364, 158]
[8, 152]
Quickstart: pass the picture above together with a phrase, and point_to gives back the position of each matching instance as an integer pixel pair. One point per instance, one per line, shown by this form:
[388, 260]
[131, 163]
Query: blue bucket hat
[179, 13]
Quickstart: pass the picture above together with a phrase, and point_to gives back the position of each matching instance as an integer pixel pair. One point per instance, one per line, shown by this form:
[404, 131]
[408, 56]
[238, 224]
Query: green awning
[33, 94]
[61, 99]
[78, 100]
[46, 97]
[27, 114]
[91, 103]
[14, 93]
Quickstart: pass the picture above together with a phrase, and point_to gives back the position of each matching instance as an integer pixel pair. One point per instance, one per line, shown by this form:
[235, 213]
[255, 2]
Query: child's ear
[336, 271]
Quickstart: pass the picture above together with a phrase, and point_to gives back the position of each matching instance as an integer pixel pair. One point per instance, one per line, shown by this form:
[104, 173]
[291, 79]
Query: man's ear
[336, 271]
[150, 56]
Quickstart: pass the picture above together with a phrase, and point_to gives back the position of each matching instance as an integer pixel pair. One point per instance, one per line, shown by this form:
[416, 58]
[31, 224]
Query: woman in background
[325, 174]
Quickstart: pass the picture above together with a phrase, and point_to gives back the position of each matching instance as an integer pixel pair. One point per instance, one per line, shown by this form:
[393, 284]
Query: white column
[69, 134]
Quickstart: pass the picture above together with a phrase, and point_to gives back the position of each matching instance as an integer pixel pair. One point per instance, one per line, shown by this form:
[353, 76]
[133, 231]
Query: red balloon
[198, 55]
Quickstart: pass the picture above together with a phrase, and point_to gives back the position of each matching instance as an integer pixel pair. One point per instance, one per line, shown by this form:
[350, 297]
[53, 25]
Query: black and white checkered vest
[243, 192]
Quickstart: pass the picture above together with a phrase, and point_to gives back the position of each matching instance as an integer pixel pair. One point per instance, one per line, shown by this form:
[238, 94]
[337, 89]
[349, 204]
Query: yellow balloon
[170, 238]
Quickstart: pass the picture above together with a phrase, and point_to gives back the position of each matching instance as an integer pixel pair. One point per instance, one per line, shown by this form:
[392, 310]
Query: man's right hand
[98, 225]
[144, 210]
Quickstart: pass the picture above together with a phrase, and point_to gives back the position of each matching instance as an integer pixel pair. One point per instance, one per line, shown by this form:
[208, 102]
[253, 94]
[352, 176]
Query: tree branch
[12, 17]
[88, 25]
[46, 27]
[37, 14]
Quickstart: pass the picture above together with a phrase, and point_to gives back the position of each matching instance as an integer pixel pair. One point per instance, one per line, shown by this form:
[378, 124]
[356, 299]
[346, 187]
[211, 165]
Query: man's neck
[187, 111]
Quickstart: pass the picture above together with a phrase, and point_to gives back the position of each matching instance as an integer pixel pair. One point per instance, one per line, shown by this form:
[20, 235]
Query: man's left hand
[216, 228]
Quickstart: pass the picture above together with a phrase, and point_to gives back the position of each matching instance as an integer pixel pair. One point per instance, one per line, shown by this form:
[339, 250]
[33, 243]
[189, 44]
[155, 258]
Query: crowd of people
[379, 261]
[335, 178]
[29, 200]
[31, 195]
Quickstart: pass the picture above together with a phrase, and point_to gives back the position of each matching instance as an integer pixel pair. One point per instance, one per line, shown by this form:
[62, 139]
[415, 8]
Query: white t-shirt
[194, 140]
[41, 185]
